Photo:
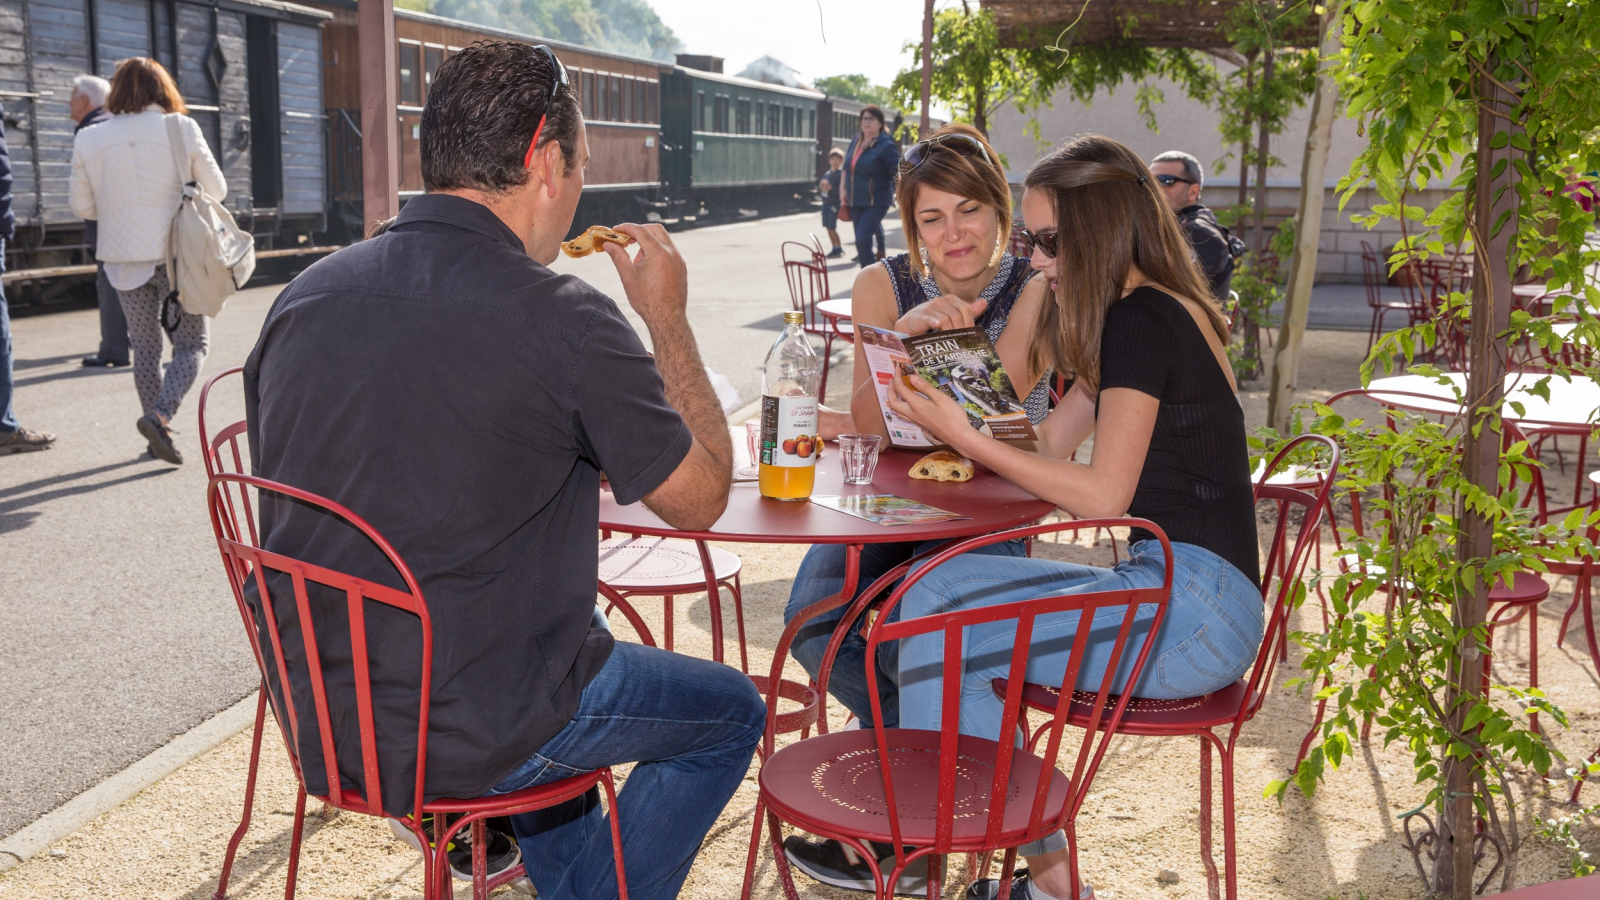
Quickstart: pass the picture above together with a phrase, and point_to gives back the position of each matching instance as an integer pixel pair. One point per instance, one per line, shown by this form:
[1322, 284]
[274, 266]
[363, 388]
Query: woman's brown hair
[140, 81]
[955, 167]
[1109, 219]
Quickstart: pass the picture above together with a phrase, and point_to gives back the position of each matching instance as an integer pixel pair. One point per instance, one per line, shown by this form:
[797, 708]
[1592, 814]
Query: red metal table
[837, 313]
[1570, 409]
[990, 503]
[1566, 889]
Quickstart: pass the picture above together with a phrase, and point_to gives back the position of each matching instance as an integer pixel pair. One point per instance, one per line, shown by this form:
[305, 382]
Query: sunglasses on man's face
[959, 143]
[1170, 180]
[556, 84]
[1041, 240]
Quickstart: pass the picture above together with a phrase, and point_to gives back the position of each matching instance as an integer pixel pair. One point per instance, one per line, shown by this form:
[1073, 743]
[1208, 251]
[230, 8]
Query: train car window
[586, 93]
[742, 117]
[410, 64]
[811, 123]
[432, 59]
[699, 110]
[719, 115]
[788, 121]
[761, 116]
[616, 97]
[652, 98]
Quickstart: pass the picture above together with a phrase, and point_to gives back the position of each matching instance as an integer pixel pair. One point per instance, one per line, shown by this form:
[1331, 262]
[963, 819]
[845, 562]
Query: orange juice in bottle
[790, 444]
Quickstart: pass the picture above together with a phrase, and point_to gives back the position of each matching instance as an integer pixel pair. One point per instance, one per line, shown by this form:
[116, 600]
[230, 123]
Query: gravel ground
[1141, 815]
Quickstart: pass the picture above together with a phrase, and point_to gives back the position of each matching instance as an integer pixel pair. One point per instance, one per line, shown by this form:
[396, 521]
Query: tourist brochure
[885, 509]
[963, 364]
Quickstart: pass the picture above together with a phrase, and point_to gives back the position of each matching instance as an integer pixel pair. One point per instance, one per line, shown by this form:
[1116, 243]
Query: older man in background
[1181, 179]
[88, 107]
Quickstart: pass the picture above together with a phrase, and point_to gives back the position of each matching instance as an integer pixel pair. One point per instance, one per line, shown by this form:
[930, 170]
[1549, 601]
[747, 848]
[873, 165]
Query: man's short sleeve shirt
[464, 400]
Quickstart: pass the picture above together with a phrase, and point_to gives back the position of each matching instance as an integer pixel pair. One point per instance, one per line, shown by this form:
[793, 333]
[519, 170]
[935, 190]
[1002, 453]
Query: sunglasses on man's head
[959, 143]
[556, 84]
[1042, 240]
[1170, 180]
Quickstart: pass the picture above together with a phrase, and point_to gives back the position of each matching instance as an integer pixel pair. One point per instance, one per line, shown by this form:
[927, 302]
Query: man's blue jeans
[691, 725]
[8, 417]
[821, 576]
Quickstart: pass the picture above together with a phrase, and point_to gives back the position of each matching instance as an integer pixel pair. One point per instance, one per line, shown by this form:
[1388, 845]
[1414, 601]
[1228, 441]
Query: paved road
[116, 628]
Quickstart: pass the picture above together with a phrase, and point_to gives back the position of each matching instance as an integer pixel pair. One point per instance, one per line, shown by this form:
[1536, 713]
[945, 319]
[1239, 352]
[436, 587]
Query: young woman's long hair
[1109, 219]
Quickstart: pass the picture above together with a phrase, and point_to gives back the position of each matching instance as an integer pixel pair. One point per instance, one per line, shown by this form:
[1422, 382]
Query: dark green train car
[731, 144]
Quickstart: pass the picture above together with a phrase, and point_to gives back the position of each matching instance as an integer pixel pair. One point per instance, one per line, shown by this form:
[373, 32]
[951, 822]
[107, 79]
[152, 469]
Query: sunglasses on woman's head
[960, 143]
[1042, 240]
[1170, 180]
[556, 84]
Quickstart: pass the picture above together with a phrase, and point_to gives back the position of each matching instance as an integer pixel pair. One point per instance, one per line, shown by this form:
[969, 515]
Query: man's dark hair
[1191, 166]
[483, 107]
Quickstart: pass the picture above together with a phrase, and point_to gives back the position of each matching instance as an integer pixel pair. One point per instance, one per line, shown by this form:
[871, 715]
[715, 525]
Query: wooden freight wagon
[250, 71]
[621, 106]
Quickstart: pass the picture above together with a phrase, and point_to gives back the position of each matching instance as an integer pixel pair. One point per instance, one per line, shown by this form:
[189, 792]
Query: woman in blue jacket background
[869, 171]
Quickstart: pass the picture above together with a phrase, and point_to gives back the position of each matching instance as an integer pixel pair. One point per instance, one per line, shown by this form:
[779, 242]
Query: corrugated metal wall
[300, 98]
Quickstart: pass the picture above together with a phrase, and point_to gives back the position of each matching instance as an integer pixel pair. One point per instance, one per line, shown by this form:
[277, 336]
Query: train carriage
[249, 69]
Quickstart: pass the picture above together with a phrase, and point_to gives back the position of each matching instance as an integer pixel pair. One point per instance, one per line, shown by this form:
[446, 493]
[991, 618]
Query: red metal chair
[1374, 277]
[244, 561]
[663, 567]
[942, 792]
[806, 273]
[1238, 703]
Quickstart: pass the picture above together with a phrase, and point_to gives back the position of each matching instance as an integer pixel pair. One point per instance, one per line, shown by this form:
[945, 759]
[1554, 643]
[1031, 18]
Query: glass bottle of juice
[790, 444]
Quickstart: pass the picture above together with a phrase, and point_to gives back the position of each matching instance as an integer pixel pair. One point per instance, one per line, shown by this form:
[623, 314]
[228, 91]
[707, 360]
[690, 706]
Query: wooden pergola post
[927, 68]
[380, 146]
[1308, 231]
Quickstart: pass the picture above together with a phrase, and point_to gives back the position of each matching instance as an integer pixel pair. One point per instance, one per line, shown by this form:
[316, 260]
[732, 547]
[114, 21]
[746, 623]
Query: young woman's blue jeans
[1208, 640]
[821, 576]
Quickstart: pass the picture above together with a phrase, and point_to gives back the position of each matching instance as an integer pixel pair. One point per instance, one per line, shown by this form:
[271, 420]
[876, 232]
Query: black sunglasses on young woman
[959, 143]
[556, 84]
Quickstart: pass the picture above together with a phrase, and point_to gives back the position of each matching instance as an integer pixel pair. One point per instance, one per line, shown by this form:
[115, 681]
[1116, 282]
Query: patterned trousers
[142, 307]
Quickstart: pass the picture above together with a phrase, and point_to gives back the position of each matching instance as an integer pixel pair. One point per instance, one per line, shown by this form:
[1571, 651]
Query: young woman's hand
[942, 313]
[944, 420]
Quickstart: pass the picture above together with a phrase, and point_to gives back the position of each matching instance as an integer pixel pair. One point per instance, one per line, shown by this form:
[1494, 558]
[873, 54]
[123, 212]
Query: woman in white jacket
[124, 176]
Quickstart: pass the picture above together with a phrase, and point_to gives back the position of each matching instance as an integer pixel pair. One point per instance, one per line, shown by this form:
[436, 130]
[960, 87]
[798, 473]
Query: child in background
[829, 186]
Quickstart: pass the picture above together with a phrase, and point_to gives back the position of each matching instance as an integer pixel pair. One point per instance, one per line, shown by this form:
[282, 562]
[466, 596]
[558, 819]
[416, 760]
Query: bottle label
[789, 431]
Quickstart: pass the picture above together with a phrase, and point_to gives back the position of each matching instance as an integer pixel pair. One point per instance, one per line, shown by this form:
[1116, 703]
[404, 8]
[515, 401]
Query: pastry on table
[943, 465]
[590, 241]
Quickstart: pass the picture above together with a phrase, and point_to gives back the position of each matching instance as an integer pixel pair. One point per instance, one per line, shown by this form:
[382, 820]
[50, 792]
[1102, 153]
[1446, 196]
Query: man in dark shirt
[13, 437]
[446, 386]
[1181, 179]
[88, 107]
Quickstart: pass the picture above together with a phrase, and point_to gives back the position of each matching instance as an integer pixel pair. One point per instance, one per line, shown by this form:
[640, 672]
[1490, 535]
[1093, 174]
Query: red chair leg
[827, 354]
[1205, 818]
[1566, 618]
[780, 862]
[616, 834]
[1009, 865]
[1577, 487]
[480, 861]
[249, 798]
[666, 612]
[294, 843]
[757, 823]
[1230, 859]
[738, 623]
[1533, 662]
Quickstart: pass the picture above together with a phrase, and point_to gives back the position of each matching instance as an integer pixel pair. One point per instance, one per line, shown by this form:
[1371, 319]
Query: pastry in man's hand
[942, 465]
[590, 241]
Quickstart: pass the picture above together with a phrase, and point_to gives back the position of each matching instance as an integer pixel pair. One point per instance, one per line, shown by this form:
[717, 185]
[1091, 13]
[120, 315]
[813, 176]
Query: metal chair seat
[1144, 715]
[831, 785]
[661, 564]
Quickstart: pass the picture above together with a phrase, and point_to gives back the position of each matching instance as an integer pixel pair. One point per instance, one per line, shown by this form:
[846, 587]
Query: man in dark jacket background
[87, 107]
[1181, 179]
[13, 437]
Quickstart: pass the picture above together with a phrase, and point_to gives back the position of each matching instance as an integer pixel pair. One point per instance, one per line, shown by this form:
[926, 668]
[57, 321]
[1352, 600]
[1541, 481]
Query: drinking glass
[752, 436]
[858, 453]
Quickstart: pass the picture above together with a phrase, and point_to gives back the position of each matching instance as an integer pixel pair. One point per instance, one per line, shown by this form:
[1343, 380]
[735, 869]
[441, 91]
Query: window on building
[699, 110]
[719, 115]
[410, 64]
[432, 59]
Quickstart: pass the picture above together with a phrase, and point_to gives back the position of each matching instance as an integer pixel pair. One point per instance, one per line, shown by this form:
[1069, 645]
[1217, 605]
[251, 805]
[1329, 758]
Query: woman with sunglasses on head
[955, 205]
[1130, 313]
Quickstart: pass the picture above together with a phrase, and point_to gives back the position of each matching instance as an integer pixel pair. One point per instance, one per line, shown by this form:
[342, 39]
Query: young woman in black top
[1131, 315]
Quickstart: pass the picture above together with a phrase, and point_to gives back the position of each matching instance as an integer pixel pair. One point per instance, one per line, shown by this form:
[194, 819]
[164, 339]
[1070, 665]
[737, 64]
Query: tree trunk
[1256, 240]
[1308, 228]
[980, 112]
[1244, 145]
[380, 144]
[927, 68]
[1489, 199]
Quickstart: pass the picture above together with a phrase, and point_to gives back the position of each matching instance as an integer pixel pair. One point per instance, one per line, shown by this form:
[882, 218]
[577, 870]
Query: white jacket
[123, 176]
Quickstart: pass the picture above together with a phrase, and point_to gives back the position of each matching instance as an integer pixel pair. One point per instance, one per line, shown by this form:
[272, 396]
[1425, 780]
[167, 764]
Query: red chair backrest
[808, 285]
[1287, 562]
[227, 451]
[248, 560]
[1372, 274]
[1108, 709]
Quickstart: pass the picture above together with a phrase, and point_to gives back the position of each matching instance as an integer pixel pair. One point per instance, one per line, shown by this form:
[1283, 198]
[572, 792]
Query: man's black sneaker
[502, 852]
[989, 888]
[100, 362]
[826, 861]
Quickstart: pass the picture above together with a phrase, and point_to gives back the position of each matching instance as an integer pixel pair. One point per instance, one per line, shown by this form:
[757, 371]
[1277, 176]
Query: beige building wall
[1183, 124]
